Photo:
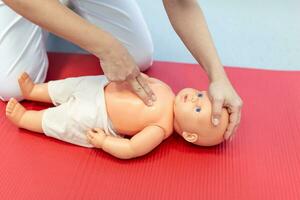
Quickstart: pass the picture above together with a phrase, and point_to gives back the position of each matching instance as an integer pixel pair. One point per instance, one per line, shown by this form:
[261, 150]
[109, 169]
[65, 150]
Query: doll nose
[194, 99]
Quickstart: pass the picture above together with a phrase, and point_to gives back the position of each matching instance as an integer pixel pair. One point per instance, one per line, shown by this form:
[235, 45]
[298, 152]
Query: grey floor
[250, 33]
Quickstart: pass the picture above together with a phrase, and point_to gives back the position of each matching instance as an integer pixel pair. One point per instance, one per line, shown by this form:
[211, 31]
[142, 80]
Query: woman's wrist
[106, 45]
[98, 43]
[216, 72]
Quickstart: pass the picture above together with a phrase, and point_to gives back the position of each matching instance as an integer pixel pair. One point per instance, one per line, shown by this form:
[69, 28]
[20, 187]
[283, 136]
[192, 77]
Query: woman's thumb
[216, 111]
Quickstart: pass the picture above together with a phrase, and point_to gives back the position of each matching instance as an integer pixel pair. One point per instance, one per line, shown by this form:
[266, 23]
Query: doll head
[192, 111]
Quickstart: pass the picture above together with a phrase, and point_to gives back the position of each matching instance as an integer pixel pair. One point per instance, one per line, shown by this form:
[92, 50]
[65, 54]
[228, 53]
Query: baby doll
[90, 111]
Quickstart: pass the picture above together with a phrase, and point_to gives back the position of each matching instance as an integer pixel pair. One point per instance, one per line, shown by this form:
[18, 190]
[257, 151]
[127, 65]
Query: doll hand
[96, 136]
[221, 94]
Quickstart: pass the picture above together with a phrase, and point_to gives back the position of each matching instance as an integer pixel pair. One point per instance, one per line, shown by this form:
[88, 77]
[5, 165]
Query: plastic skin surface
[144, 127]
[189, 112]
[192, 111]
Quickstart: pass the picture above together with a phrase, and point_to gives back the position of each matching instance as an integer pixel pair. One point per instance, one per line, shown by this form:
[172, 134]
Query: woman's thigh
[22, 48]
[124, 20]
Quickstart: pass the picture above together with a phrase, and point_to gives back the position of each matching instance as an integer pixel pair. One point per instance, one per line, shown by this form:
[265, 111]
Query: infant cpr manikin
[93, 112]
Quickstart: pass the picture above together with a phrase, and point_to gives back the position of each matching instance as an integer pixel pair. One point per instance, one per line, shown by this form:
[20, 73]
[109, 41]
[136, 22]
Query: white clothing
[23, 44]
[80, 105]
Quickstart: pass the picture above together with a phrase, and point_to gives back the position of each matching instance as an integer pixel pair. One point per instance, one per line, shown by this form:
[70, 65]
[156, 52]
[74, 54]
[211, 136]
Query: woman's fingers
[142, 89]
[217, 105]
[143, 82]
[234, 120]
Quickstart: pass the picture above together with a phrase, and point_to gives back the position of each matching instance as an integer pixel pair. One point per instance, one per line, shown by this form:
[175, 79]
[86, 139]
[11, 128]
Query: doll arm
[140, 144]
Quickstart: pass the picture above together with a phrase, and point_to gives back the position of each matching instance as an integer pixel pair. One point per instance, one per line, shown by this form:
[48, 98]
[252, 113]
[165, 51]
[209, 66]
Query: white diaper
[80, 105]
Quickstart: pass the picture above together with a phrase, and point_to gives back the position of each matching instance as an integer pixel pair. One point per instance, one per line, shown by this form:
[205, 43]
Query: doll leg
[27, 119]
[33, 91]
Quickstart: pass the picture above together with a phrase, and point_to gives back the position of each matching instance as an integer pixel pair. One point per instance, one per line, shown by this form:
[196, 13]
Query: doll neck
[176, 126]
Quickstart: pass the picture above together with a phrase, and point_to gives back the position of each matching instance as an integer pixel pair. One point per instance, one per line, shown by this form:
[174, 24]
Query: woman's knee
[9, 88]
[143, 56]
[124, 20]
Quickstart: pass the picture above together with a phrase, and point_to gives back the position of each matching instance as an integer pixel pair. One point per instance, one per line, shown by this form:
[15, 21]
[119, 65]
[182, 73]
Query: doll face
[192, 109]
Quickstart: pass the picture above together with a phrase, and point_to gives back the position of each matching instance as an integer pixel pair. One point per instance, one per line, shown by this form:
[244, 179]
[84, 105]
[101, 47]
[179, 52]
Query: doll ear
[190, 137]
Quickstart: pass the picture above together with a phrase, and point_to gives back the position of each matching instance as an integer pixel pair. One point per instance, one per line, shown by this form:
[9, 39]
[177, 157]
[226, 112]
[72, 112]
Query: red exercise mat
[262, 162]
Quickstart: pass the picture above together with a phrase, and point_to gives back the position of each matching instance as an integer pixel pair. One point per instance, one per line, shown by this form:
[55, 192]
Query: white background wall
[249, 33]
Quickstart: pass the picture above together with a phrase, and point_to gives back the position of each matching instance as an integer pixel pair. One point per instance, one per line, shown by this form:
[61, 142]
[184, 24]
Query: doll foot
[26, 84]
[14, 111]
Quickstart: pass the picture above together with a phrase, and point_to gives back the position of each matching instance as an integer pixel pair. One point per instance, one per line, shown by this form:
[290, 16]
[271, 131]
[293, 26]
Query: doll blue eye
[200, 95]
[198, 109]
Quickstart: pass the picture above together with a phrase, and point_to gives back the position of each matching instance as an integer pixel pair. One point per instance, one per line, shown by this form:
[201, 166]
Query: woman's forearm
[62, 21]
[189, 23]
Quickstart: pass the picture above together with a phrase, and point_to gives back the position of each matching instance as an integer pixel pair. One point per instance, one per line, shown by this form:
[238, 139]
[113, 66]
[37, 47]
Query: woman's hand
[222, 94]
[118, 65]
